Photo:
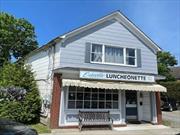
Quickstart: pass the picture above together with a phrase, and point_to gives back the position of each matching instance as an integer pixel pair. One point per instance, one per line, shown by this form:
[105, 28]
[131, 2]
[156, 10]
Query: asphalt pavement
[173, 117]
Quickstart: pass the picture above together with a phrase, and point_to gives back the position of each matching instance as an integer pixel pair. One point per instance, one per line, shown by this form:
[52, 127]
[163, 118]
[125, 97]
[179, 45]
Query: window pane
[87, 90]
[79, 96]
[115, 91]
[115, 97]
[101, 96]
[108, 96]
[73, 89]
[80, 89]
[71, 96]
[96, 48]
[94, 96]
[101, 90]
[71, 104]
[94, 104]
[94, 90]
[130, 52]
[108, 91]
[87, 96]
[114, 55]
[79, 104]
[96, 57]
[101, 104]
[96, 53]
[86, 104]
[130, 61]
[108, 105]
[115, 105]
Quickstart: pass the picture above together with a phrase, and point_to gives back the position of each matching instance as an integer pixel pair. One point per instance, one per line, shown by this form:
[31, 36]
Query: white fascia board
[136, 31]
[123, 20]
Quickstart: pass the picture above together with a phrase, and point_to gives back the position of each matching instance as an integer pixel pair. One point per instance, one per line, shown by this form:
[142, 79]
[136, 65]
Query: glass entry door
[131, 105]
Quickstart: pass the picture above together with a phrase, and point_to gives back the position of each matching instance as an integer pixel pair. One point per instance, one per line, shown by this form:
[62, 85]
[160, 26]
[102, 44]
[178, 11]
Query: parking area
[172, 117]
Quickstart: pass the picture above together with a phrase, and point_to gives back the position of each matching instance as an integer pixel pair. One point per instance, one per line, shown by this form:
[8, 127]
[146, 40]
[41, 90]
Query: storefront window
[87, 98]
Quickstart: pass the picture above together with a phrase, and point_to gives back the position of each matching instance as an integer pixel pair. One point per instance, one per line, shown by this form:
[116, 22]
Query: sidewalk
[129, 130]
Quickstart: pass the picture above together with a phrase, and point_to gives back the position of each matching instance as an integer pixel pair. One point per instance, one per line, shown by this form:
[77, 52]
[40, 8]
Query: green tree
[165, 61]
[28, 109]
[17, 37]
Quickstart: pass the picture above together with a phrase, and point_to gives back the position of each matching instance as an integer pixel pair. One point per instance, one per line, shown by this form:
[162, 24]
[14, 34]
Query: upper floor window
[113, 55]
[96, 53]
[130, 56]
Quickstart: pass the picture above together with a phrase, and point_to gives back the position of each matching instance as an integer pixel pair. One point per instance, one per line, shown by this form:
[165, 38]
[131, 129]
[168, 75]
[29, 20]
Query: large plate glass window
[130, 56]
[96, 53]
[91, 98]
[114, 55]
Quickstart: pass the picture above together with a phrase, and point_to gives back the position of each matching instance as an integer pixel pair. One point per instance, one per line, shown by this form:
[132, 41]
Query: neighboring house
[175, 71]
[108, 64]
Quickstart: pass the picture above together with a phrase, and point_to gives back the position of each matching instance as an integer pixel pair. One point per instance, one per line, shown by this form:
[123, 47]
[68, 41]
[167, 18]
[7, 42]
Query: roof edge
[116, 14]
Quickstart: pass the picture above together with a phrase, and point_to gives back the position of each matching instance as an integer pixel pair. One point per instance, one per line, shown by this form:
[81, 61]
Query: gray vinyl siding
[115, 34]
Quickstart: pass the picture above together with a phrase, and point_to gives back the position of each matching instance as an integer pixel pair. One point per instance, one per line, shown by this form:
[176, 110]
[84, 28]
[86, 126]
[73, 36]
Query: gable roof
[115, 15]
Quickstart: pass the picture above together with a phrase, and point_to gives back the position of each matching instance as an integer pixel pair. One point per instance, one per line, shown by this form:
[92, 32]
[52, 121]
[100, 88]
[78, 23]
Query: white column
[139, 107]
[153, 108]
[61, 110]
[123, 109]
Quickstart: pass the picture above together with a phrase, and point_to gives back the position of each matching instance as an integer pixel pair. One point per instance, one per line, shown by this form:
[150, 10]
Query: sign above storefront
[116, 76]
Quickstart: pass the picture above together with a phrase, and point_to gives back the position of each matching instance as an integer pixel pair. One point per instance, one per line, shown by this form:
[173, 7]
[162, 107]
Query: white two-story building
[108, 64]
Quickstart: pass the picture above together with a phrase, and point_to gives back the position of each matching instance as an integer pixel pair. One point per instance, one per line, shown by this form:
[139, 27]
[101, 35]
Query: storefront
[106, 65]
[128, 97]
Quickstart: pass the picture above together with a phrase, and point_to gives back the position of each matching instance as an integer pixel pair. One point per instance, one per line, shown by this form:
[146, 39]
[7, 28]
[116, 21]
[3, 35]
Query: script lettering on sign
[116, 76]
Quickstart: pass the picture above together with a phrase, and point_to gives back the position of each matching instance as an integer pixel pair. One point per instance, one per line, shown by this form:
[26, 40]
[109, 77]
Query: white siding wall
[42, 65]
[73, 54]
[146, 110]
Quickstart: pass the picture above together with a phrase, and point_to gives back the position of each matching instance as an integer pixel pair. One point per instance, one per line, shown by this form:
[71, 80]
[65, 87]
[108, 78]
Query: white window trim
[92, 109]
[109, 63]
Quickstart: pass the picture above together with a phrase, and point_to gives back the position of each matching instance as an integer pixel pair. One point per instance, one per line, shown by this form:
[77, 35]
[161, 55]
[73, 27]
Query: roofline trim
[117, 15]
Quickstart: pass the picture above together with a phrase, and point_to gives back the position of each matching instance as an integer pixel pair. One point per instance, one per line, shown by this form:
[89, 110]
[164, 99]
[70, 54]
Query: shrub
[173, 89]
[12, 94]
[16, 79]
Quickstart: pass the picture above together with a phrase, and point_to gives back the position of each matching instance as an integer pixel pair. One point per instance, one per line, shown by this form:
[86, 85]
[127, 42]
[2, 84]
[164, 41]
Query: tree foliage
[165, 61]
[17, 37]
[173, 89]
[28, 109]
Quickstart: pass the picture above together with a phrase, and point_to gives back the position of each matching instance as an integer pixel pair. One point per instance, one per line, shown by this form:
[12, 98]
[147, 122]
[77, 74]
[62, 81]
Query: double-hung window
[106, 54]
[130, 56]
[114, 55]
[96, 53]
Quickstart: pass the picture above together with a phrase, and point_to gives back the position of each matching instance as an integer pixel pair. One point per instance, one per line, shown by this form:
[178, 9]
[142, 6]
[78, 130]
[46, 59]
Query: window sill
[113, 64]
[92, 109]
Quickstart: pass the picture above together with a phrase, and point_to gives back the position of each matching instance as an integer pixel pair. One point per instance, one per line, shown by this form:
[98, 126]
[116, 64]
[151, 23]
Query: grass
[166, 123]
[41, 128]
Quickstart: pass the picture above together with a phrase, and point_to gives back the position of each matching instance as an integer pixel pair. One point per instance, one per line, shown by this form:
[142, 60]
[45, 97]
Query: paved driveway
[174, 117]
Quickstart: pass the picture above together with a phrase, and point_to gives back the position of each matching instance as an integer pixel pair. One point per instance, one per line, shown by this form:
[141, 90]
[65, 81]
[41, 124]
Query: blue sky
[160, 20]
